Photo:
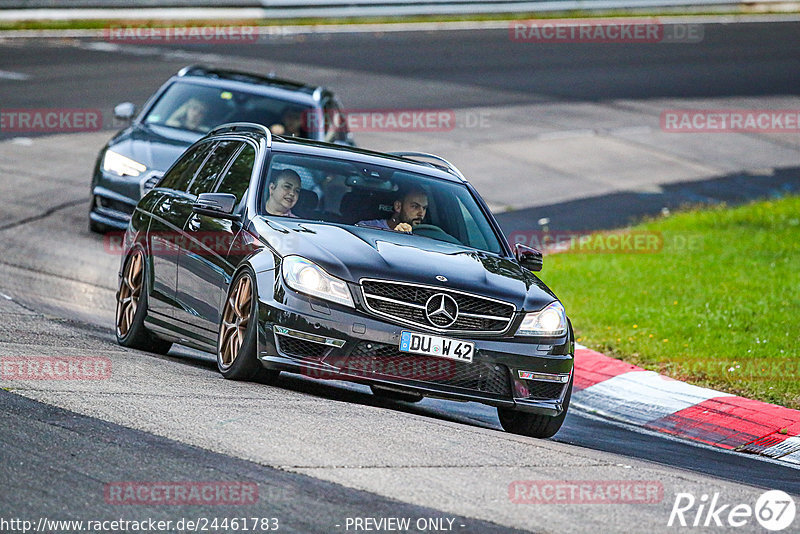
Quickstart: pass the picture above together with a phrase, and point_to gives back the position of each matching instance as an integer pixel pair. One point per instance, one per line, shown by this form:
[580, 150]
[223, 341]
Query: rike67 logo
[774, 510]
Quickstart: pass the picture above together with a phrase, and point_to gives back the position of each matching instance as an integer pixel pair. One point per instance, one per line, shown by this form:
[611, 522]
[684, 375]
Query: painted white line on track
[16, 76]
[640, 397]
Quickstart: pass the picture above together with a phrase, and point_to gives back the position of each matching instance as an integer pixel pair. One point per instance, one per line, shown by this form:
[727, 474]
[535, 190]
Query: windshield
[378, 197]
[199, 108]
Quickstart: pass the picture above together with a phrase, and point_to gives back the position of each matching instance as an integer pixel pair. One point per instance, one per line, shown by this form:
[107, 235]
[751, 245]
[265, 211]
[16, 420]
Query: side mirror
[528, 257]
[219, 205]
[124, 111]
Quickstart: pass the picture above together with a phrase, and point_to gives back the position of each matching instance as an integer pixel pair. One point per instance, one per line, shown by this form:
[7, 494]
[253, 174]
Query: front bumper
[114, 198]
[323, 340]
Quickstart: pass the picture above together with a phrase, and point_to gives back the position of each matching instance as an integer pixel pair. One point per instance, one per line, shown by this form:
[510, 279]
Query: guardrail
[83, 4]
[177, 9]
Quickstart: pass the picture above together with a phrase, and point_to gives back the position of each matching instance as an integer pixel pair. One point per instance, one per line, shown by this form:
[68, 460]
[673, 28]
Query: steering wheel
[434, 232]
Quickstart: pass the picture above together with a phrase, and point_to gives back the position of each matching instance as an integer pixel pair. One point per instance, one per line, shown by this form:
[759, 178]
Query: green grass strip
[717, 304]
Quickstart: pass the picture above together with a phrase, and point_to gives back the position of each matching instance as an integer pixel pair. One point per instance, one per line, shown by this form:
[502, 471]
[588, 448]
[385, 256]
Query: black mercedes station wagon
[186, 108]
[285, 254]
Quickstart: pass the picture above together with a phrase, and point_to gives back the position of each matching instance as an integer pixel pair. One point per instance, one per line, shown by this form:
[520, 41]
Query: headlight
[548, 322]
[311, 279]
[117, 163]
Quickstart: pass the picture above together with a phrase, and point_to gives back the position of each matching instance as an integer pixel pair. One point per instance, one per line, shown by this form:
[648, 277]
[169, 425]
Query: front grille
[149, 182]
[300, 348]
[539, 389]
[378, 360]
[406, 303]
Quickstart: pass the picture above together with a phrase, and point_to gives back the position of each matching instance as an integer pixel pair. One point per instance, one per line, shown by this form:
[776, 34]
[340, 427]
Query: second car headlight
[123, 166]
[307, 277]
[550, 321]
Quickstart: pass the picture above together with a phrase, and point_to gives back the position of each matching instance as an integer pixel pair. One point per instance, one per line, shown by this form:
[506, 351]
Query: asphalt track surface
[57, 459]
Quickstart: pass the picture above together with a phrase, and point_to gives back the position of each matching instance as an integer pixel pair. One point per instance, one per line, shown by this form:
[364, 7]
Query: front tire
[237, 340]
[531, 424]
[132, 308]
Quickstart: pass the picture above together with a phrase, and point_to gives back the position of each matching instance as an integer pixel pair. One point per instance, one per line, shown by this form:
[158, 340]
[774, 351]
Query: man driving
[284, 190]
[291, 123]
[408, 211]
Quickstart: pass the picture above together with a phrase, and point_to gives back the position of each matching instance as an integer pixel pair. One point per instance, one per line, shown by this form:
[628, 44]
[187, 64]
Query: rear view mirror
[216, 205]
[528, 257]
[124, 111]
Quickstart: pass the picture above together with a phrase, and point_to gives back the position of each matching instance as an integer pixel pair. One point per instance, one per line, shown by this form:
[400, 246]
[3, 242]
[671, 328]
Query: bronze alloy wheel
[132, 308]
[235, 320]
[130, 291]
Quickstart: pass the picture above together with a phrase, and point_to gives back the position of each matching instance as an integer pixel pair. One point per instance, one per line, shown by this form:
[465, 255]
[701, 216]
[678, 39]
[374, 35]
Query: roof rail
[242, 127]
[189, 68]
[450, 167]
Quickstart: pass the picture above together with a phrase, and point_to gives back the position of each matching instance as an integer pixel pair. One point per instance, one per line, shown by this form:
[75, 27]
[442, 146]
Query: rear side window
[205, 179]
[237, 179]
[181, 174]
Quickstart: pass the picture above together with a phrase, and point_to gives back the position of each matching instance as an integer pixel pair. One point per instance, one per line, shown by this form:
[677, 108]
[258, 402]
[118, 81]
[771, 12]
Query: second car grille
[375, 360]
[149, 182]
[406, 303]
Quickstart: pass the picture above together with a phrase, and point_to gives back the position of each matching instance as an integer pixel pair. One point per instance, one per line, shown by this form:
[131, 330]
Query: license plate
[441, 347]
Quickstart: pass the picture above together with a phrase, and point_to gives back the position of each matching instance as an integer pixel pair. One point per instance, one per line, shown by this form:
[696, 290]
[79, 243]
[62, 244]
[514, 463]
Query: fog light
[547, 377]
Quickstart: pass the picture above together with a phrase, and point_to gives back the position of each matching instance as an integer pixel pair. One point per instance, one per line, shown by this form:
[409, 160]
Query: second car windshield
[199, 108]
[375, 197]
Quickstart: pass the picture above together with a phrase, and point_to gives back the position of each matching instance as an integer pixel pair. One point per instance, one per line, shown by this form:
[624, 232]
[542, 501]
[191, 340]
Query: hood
[353, 253]
[154, 146]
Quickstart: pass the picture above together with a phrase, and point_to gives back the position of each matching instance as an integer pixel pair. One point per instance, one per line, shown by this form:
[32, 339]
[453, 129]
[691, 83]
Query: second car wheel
[236, 344]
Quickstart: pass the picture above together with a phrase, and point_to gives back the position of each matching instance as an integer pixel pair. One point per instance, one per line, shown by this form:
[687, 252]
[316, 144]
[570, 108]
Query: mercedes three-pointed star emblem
[441, 310]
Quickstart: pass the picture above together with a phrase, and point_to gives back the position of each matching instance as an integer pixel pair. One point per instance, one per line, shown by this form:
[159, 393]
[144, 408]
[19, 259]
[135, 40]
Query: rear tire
[531, 424]
[395, 395]
[237, 339]
[132, 308]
